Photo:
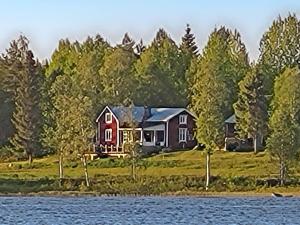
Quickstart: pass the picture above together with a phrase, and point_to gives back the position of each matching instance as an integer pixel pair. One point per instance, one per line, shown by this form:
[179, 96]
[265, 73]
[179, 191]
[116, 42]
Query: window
[108, 118]
[160, 136]
[148, 135]
[183, 119]
[182, 134]
[108, 134]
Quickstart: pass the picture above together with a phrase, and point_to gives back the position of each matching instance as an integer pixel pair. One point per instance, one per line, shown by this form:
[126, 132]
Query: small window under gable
[182, 119]
[108, 134]
[182, 134]
[108, 117]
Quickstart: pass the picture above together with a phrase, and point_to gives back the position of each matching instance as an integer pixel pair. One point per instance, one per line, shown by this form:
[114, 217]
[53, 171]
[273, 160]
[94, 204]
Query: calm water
[149, 210]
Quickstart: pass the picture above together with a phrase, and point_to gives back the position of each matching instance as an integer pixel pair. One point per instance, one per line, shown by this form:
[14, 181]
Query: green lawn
[225, 164]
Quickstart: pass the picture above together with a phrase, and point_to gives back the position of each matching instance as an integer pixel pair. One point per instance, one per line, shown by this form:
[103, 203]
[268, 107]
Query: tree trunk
[85, 171]
[255, 143]
[282, 172]
[30, 159]
[133, 169]
[61, 169]
[207, 170]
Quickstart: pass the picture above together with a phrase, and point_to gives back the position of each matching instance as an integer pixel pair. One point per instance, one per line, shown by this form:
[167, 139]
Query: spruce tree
[25, 81]
[190, 57]
[251, 108]
[188, 42]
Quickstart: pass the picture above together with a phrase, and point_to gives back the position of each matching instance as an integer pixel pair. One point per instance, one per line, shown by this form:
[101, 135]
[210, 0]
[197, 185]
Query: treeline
[51, 107]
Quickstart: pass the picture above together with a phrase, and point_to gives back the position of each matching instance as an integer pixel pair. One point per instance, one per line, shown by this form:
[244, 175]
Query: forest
[50, 107]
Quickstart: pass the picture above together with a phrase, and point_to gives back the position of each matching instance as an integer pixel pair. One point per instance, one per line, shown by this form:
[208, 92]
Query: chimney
[147, 112]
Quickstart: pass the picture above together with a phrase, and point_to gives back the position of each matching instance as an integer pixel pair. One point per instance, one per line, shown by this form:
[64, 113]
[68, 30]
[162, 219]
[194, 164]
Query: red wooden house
[165, 127]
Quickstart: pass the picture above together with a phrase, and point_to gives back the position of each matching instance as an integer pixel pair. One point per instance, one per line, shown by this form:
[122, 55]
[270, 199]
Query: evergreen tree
[251, 108]
[6, 108]
[283, 143]
[127, 42]
[25, 82]
[279, 49]
[189, 52]
[188, 42]
[140, 48]
[160, 73]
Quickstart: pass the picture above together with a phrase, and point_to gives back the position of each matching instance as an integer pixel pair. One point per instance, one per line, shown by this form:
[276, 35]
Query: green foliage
[24, 81]
[117, 74]
[251, 108]
[283, 142]
[223, 64]
[279, 49]
[160, 73]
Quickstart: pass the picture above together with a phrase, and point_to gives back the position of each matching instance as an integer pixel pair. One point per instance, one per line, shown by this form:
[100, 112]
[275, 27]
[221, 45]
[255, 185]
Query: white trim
[118, 135]
[108, 133]
[183, 119]
[184, 134]
[106, 108]
[105, 117]
[130, 128]
[167, 134]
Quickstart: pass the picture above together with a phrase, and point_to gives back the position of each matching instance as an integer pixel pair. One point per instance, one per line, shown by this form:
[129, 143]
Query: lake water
[149, 210]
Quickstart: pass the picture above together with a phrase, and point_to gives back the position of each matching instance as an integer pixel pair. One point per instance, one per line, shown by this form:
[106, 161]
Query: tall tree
[223, 64]
[160, 73]
[6, 108]
[188, 43]
[118, 74]
[73, 71]
[189, 51]
[251, 108]
[283, 143]
[25, 81]
[279, 49]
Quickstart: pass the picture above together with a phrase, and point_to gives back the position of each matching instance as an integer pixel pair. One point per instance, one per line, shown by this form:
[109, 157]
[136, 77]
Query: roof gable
[231, 119]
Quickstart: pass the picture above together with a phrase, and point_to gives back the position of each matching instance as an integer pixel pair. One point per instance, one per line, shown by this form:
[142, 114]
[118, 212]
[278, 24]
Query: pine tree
[25, 81]
[251, 108]
[283, 142]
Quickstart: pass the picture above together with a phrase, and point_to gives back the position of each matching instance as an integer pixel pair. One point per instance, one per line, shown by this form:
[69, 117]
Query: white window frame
[182, 134]
[108, 115]
[182, 119]
[108, 135]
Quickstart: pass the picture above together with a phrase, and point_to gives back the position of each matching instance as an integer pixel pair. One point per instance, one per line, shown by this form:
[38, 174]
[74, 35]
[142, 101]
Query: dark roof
[231, 119]
[136, 113]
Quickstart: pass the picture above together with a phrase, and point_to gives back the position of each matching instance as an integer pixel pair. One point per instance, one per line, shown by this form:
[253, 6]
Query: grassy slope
[225, 164]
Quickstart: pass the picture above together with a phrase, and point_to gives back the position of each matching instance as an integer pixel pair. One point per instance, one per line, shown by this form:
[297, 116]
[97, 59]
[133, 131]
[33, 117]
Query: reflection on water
[149, 210]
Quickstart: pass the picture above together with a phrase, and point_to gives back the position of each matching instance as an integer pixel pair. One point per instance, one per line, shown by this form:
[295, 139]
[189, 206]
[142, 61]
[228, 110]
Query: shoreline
[167, 194]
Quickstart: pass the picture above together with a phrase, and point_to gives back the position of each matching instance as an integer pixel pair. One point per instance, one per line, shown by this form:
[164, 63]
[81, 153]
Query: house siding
[102, 126]
[173, 131]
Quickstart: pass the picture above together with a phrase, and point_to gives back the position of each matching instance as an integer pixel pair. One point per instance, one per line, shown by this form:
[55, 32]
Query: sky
[45, 22]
